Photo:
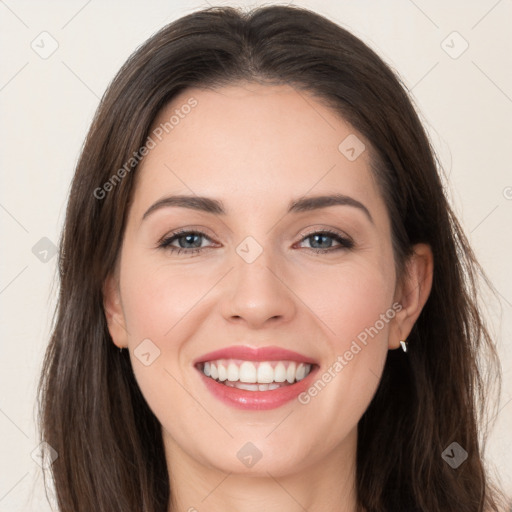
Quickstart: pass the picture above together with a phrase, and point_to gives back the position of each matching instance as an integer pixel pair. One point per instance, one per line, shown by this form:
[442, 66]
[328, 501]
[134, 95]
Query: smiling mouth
[255, 375]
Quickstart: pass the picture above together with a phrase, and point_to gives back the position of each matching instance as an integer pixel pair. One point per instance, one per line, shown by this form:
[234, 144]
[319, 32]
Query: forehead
[247, 142]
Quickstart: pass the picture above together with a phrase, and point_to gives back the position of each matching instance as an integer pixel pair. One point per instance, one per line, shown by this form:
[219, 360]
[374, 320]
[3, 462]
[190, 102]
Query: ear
[114, 312]
[412, 293]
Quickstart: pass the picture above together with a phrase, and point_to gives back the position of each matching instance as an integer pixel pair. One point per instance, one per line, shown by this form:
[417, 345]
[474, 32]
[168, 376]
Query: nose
[258, 293]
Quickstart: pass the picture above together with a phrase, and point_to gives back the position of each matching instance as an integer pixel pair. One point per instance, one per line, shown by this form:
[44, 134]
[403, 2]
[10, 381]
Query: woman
[257, 218]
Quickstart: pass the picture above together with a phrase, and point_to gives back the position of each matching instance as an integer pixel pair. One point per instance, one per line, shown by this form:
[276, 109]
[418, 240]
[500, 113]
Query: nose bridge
[256, 291]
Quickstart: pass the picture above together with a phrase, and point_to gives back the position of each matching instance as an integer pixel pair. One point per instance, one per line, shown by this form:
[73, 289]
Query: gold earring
[404, 345]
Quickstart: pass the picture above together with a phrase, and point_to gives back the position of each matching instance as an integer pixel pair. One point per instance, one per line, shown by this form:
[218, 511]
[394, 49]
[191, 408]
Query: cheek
[357, 309]
[350, 299]
[158, 303]
[157, 298]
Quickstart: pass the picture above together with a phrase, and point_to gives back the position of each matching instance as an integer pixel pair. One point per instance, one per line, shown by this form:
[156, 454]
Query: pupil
[189, 239]
[316, 237]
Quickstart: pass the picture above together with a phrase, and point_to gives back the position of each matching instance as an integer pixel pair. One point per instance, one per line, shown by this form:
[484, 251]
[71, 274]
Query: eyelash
[165, 243]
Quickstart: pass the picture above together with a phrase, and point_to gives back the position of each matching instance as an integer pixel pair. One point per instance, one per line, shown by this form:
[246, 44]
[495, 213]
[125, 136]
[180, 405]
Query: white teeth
[223, 374]
[290, 373]
[253, 387]
[232, 372]
[254, 376]
[247, 387]
[247, 372]
[280, 372]
[301, 372]
[265, 374]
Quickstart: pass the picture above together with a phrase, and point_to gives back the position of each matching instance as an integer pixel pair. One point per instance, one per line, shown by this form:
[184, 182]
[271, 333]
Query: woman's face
[260, 267]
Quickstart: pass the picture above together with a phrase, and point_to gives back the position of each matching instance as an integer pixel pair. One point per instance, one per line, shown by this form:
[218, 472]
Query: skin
[256, 148]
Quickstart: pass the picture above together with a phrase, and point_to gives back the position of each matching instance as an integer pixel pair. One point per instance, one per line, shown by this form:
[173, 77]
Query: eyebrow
[215, 206]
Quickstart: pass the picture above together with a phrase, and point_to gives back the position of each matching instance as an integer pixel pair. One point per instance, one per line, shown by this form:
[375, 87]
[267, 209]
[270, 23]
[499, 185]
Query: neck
[327, 485]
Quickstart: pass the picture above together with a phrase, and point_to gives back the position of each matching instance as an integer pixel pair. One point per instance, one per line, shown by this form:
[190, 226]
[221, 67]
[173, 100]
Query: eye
[321, 241]
[188, 241]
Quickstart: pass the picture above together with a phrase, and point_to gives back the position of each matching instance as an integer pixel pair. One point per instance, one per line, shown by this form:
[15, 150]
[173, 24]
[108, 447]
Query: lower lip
[257, 400]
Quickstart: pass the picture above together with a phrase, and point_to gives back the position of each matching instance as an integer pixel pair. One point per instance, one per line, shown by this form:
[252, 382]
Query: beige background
[47, 104]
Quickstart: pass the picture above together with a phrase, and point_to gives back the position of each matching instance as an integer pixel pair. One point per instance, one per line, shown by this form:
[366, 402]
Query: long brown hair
[109, 443]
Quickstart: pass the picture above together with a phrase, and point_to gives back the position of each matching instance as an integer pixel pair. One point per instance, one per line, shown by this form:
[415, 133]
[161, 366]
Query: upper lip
[246, 353]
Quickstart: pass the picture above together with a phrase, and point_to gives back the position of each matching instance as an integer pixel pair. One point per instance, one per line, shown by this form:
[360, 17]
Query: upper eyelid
[330, 231]
[182, 232]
